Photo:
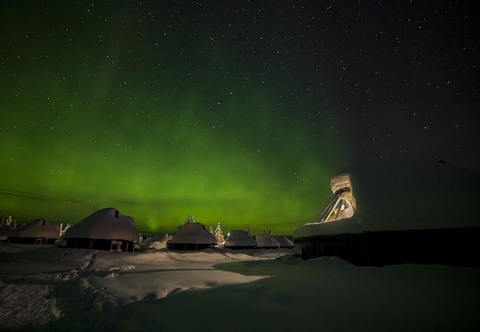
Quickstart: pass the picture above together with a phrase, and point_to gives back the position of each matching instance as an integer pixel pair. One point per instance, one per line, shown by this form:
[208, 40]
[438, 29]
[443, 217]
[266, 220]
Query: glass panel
[341, 206]
[326, 212]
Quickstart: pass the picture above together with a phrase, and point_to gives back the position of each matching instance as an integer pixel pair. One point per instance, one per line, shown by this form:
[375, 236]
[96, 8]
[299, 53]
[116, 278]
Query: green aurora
[160, 113]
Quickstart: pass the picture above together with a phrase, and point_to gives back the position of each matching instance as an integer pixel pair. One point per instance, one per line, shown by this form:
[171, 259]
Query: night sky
[237, 112]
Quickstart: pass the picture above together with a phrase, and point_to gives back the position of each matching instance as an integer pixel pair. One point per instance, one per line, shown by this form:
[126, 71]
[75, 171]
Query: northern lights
[102, 111]
[235, 112]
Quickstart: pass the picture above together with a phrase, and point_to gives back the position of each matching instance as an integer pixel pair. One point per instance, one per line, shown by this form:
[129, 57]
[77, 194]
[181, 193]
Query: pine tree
[219, 235]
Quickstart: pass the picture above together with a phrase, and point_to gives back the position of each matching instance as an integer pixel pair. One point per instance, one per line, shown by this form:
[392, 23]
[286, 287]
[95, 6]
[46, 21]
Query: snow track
[49, 287]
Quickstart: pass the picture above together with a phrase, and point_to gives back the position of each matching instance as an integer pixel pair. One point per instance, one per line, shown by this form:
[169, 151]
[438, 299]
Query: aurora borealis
[236, 112]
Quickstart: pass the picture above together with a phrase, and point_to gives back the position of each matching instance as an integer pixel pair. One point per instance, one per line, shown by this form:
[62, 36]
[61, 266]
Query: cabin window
[340, 207]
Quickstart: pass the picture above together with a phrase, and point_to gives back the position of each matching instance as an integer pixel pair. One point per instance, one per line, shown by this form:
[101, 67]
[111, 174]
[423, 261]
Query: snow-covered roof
[284, 242]
[340, 226]
[40, 228]
[266, 241]
[395, 195]
[106, 224]
[193, 233]
[239, 238]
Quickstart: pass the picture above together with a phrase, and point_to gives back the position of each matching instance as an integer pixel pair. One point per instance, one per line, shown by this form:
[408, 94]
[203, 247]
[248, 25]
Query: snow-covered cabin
[284, 241]
[192, 235]
[105, 229]
[39, 231]
[398, 211]
[239, 239]
[267, 241]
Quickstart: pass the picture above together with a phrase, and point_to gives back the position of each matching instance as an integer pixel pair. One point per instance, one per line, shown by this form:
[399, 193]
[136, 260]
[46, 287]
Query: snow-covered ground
[53, 289]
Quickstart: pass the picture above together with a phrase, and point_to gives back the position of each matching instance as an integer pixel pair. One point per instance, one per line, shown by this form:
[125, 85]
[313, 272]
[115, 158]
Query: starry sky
[237, 112]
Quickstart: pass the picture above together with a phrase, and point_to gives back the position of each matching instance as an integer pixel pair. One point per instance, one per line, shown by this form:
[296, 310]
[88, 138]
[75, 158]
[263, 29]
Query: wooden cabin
[105, 229]
[239, 240]
[39, 231]
[192, 235]
[266, 241]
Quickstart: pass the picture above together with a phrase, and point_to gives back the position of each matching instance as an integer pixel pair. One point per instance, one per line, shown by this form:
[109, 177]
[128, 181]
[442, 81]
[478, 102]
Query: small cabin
[39, 231]
[238, 240]
[192, 235]
[266, 241]
[105, 229]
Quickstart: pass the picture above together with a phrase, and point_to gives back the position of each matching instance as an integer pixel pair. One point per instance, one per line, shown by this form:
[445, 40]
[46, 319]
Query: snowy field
[45, 288]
